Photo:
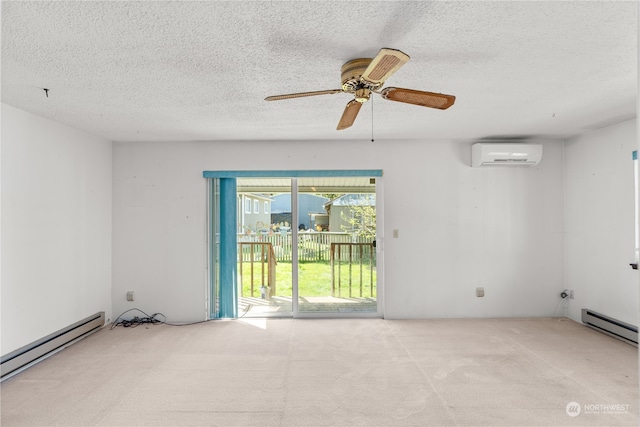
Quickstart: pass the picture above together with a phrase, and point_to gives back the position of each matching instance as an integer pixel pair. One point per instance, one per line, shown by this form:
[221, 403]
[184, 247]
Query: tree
[361, 219]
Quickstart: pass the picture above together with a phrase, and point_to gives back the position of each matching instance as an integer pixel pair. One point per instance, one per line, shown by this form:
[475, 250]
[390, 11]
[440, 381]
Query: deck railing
[358, 256]
[313, 246]
[262, 255]
[352, 264]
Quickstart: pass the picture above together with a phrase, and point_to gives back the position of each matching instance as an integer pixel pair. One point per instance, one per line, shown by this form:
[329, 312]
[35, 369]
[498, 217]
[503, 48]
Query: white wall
[517, 232]
[460, 228]
[600, 222]
[56, 227]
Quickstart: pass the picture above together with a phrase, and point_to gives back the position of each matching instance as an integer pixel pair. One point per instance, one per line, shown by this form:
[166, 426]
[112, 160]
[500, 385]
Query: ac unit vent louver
[505, 154]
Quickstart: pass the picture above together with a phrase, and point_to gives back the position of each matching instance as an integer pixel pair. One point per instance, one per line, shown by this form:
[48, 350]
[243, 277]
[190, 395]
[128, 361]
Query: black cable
[149, 320]
[249, 306]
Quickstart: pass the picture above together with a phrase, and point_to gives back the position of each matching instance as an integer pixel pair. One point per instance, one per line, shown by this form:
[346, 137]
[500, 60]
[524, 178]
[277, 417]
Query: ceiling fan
[363, 76]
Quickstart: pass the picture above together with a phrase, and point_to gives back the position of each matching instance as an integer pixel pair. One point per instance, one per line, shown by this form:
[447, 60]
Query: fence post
[253, 249]
[360, 250]
[350, 264]
[272, 270]
[339, 271]
[262, 269]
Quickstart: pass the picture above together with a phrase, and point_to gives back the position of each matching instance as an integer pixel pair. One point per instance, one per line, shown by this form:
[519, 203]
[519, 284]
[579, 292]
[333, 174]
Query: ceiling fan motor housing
[352, 72]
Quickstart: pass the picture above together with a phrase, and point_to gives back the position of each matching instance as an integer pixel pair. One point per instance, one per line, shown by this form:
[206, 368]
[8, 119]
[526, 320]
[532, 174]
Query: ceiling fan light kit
[362, 76]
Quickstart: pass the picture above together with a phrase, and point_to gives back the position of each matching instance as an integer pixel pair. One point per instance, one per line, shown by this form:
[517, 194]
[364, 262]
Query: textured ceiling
[179, 70]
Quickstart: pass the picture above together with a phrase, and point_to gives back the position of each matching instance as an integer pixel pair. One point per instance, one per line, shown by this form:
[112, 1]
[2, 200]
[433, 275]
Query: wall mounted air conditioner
[505, 154]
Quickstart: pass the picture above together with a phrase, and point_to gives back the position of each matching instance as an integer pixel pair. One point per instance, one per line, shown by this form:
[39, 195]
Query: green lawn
[314, 279]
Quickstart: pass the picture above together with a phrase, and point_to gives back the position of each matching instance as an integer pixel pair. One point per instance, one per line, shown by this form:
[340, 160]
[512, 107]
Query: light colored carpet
[333, 372]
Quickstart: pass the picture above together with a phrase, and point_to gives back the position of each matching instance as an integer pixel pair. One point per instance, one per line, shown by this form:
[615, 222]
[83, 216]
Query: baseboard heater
[615, 328]
[22, 358]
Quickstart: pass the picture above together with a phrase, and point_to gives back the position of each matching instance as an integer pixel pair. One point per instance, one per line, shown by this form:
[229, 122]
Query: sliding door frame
[222, 298]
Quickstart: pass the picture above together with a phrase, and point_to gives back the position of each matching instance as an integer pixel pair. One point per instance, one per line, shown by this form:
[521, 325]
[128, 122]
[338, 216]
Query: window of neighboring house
[256, 206]
[247, 206]
[266, 207]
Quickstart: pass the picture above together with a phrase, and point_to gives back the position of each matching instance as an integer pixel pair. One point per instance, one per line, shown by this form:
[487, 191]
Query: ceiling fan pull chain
[371, 119]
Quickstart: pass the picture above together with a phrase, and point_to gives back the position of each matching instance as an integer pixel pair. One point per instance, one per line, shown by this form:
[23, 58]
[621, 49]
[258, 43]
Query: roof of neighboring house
[306, 203]
[257, 196]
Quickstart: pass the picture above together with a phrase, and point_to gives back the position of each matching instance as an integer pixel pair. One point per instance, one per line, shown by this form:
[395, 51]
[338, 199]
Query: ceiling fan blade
[418, 97]
[349, 115]
[301, 94]
[386, 62]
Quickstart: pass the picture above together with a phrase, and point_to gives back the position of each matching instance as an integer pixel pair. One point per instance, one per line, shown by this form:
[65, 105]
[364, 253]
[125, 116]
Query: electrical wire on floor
[148, 320]
[563, 303]
[249, 307]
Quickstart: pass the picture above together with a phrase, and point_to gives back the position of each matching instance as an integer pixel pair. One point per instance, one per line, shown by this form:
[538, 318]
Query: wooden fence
[313, 246]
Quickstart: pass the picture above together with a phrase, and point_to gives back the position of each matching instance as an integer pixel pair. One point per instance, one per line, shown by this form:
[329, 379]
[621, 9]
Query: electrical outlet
[480, 292]
[130, 296]
[395, 234]
[570, 293]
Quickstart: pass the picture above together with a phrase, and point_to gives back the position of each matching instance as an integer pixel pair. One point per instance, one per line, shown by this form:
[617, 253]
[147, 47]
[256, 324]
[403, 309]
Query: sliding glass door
[336, 247]
[295, 243]
[265, 275]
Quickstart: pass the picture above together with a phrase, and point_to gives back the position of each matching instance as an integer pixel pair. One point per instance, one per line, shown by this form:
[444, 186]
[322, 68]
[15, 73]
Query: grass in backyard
[314, 279]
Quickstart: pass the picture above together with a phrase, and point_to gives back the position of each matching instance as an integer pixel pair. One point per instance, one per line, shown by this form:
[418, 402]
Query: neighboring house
[341, 207]
[254, 212]
[308, 206]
